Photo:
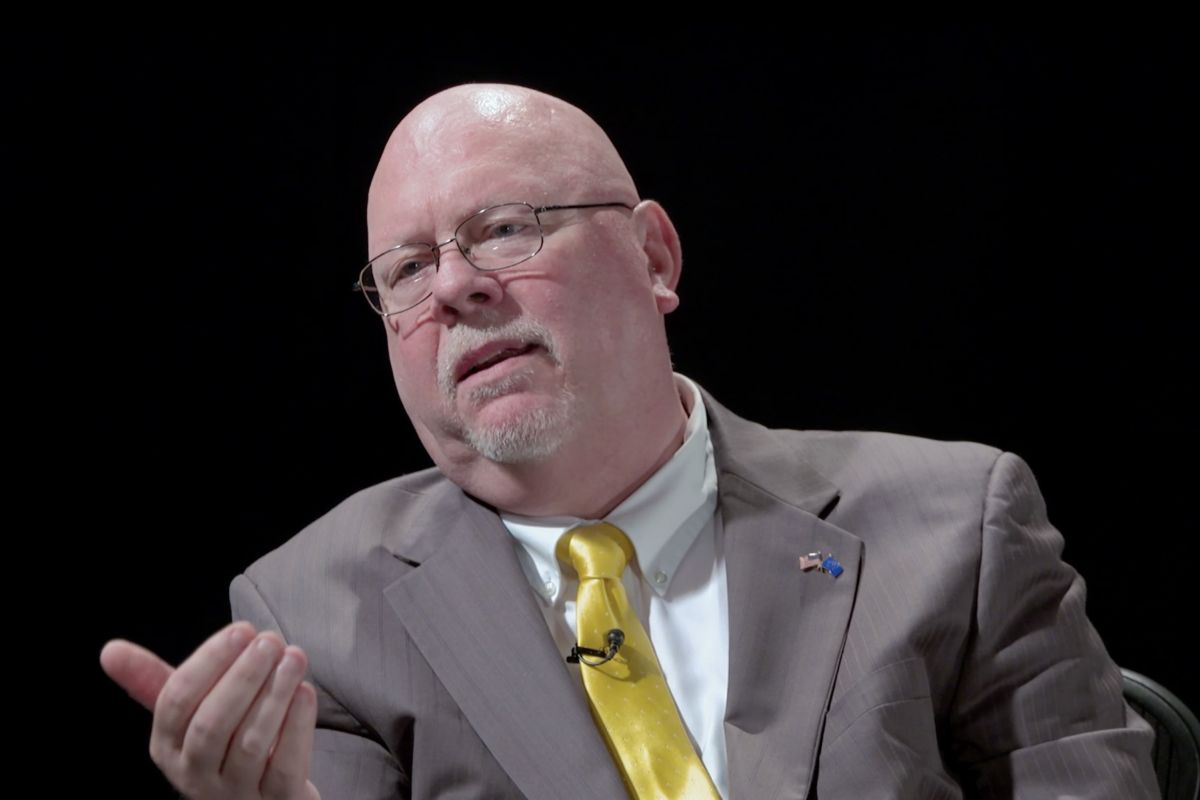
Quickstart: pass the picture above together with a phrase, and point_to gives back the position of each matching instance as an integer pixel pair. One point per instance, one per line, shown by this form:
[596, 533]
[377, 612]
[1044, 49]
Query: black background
[967, 234]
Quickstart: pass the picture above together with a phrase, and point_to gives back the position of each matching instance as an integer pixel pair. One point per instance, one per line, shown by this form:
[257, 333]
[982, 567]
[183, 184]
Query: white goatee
[528, 437]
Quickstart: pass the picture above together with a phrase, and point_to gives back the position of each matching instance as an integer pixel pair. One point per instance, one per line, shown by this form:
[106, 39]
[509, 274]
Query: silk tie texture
[627, 693]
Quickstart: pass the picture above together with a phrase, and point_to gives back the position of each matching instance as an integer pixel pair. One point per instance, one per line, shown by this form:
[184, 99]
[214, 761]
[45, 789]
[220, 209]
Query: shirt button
[549, 587]
[660, 578]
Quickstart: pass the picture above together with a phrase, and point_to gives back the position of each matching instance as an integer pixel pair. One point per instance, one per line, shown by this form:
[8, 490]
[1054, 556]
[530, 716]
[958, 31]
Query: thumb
[136, 670]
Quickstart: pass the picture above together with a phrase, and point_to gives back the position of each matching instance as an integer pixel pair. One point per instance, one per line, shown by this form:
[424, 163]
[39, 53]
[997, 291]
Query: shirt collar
[662, 517]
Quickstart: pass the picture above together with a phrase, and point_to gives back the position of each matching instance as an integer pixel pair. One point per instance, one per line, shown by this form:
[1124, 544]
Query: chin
[522, 435]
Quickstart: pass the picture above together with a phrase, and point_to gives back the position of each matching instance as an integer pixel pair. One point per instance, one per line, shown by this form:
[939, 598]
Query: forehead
[419, 193]
[473, 147]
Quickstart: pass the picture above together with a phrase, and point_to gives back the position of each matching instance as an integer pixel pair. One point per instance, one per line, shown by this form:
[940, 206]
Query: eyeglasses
[494, 238]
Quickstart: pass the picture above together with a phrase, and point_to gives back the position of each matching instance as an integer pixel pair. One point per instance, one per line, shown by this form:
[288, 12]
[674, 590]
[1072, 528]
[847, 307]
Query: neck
[592, 474]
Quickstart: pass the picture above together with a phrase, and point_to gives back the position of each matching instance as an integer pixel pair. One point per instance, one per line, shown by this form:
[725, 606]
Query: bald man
[849, 615]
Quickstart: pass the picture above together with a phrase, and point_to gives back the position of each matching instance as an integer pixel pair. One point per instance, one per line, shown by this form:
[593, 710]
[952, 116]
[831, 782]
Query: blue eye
[408, 270]
[504, 230]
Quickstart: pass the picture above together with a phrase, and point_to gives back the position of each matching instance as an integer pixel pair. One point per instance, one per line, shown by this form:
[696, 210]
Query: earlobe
[664, 257]
[666, 299]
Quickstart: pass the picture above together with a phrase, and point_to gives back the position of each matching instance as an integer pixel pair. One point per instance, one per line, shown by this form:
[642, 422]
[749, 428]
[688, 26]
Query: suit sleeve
[1039, 710]
[347, 764]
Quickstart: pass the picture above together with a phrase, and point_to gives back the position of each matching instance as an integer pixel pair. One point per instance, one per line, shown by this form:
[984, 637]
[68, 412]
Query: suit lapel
[787, 627]
[470, 611]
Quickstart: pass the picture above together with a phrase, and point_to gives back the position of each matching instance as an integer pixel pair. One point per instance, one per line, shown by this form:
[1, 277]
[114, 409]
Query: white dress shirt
[677, 583]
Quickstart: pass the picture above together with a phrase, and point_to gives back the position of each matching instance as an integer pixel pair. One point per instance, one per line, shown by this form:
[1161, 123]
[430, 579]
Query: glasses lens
[400, 278]
[501, 236]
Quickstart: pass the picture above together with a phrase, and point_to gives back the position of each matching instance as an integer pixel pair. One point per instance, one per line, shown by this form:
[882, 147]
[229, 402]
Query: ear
[664, 258]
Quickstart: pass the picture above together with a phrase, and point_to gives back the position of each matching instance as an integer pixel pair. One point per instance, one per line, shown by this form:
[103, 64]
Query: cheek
[608, 310]
[413, 363]
[402, 380]
[609, 274]
[405, 326]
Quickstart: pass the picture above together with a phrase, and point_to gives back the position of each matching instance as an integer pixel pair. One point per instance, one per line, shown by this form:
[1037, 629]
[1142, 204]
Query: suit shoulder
[850, 466]
[894, 452]
[354, 528]
[882, 465]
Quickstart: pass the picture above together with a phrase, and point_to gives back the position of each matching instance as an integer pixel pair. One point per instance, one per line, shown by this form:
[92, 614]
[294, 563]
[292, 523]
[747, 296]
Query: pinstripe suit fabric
[951, 659]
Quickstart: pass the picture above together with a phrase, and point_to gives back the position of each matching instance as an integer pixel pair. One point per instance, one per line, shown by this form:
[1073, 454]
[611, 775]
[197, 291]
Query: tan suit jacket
[952, 657]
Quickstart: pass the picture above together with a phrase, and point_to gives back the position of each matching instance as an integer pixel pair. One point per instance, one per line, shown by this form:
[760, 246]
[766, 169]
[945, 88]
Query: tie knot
[598, 550]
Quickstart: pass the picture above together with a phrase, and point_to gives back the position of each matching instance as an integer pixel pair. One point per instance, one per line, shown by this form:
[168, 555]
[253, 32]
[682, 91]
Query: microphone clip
[615, 637]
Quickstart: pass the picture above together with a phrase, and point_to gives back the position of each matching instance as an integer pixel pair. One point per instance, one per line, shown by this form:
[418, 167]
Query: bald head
[434, 148]
[510, 374]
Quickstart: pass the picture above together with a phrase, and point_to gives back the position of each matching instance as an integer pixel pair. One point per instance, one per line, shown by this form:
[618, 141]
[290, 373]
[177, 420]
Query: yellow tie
[629, 697]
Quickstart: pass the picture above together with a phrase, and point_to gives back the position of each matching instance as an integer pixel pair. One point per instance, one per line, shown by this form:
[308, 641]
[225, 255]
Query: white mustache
[461, 339]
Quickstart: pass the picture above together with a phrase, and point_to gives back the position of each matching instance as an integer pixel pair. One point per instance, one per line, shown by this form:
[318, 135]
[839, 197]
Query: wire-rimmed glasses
[493, 238]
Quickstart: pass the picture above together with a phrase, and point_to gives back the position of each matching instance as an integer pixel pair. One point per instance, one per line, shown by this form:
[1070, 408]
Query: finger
[221, 712]
[261, 726]
[136, 670]
[287, 772]
[191, 682]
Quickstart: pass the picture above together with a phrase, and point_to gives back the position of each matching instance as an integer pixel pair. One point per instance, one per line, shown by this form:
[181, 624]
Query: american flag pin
[810, 562]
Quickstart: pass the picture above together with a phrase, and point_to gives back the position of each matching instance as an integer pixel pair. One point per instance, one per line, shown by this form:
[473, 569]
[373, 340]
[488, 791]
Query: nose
[459, 289]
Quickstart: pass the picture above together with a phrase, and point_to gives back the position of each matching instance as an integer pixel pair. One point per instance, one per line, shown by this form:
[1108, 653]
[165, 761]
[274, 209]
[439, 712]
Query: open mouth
[495, 358]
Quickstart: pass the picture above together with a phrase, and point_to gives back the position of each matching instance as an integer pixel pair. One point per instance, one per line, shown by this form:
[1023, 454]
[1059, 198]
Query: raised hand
[235, 721]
